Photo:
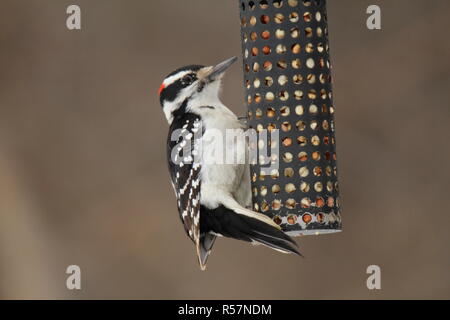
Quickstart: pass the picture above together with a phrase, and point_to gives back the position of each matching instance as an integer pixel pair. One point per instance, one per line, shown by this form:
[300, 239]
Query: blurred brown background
[83, 176]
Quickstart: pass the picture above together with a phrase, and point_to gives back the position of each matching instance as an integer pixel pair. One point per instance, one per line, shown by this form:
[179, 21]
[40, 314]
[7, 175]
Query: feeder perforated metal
[288, 87]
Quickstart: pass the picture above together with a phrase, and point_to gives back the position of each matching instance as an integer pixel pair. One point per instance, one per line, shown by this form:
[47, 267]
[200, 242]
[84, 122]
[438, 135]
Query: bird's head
[191, 85]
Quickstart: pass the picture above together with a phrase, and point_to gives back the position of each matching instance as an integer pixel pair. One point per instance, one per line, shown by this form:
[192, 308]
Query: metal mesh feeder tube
[288, 88]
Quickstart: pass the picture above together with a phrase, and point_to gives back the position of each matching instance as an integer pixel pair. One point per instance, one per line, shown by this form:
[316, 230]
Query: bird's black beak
[219, 69]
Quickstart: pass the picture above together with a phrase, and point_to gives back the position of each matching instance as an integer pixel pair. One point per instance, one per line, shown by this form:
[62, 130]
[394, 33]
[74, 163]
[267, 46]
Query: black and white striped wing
[185, 173]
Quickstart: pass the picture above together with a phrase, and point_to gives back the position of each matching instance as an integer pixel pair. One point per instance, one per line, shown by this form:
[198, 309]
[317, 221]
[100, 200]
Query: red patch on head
[161, 88]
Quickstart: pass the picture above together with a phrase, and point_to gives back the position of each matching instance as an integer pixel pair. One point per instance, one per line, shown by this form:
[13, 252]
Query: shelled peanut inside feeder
[288, 88]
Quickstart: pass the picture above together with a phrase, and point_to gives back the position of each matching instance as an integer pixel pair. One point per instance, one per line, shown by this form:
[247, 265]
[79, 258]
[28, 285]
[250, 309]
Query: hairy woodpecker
[213, 199]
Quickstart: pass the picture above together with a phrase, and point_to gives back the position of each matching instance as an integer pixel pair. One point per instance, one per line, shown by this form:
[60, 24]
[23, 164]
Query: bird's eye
[188, 79]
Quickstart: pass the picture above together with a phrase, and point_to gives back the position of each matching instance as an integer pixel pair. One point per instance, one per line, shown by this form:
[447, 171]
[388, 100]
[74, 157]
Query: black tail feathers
[227, 223]
[206, 243]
